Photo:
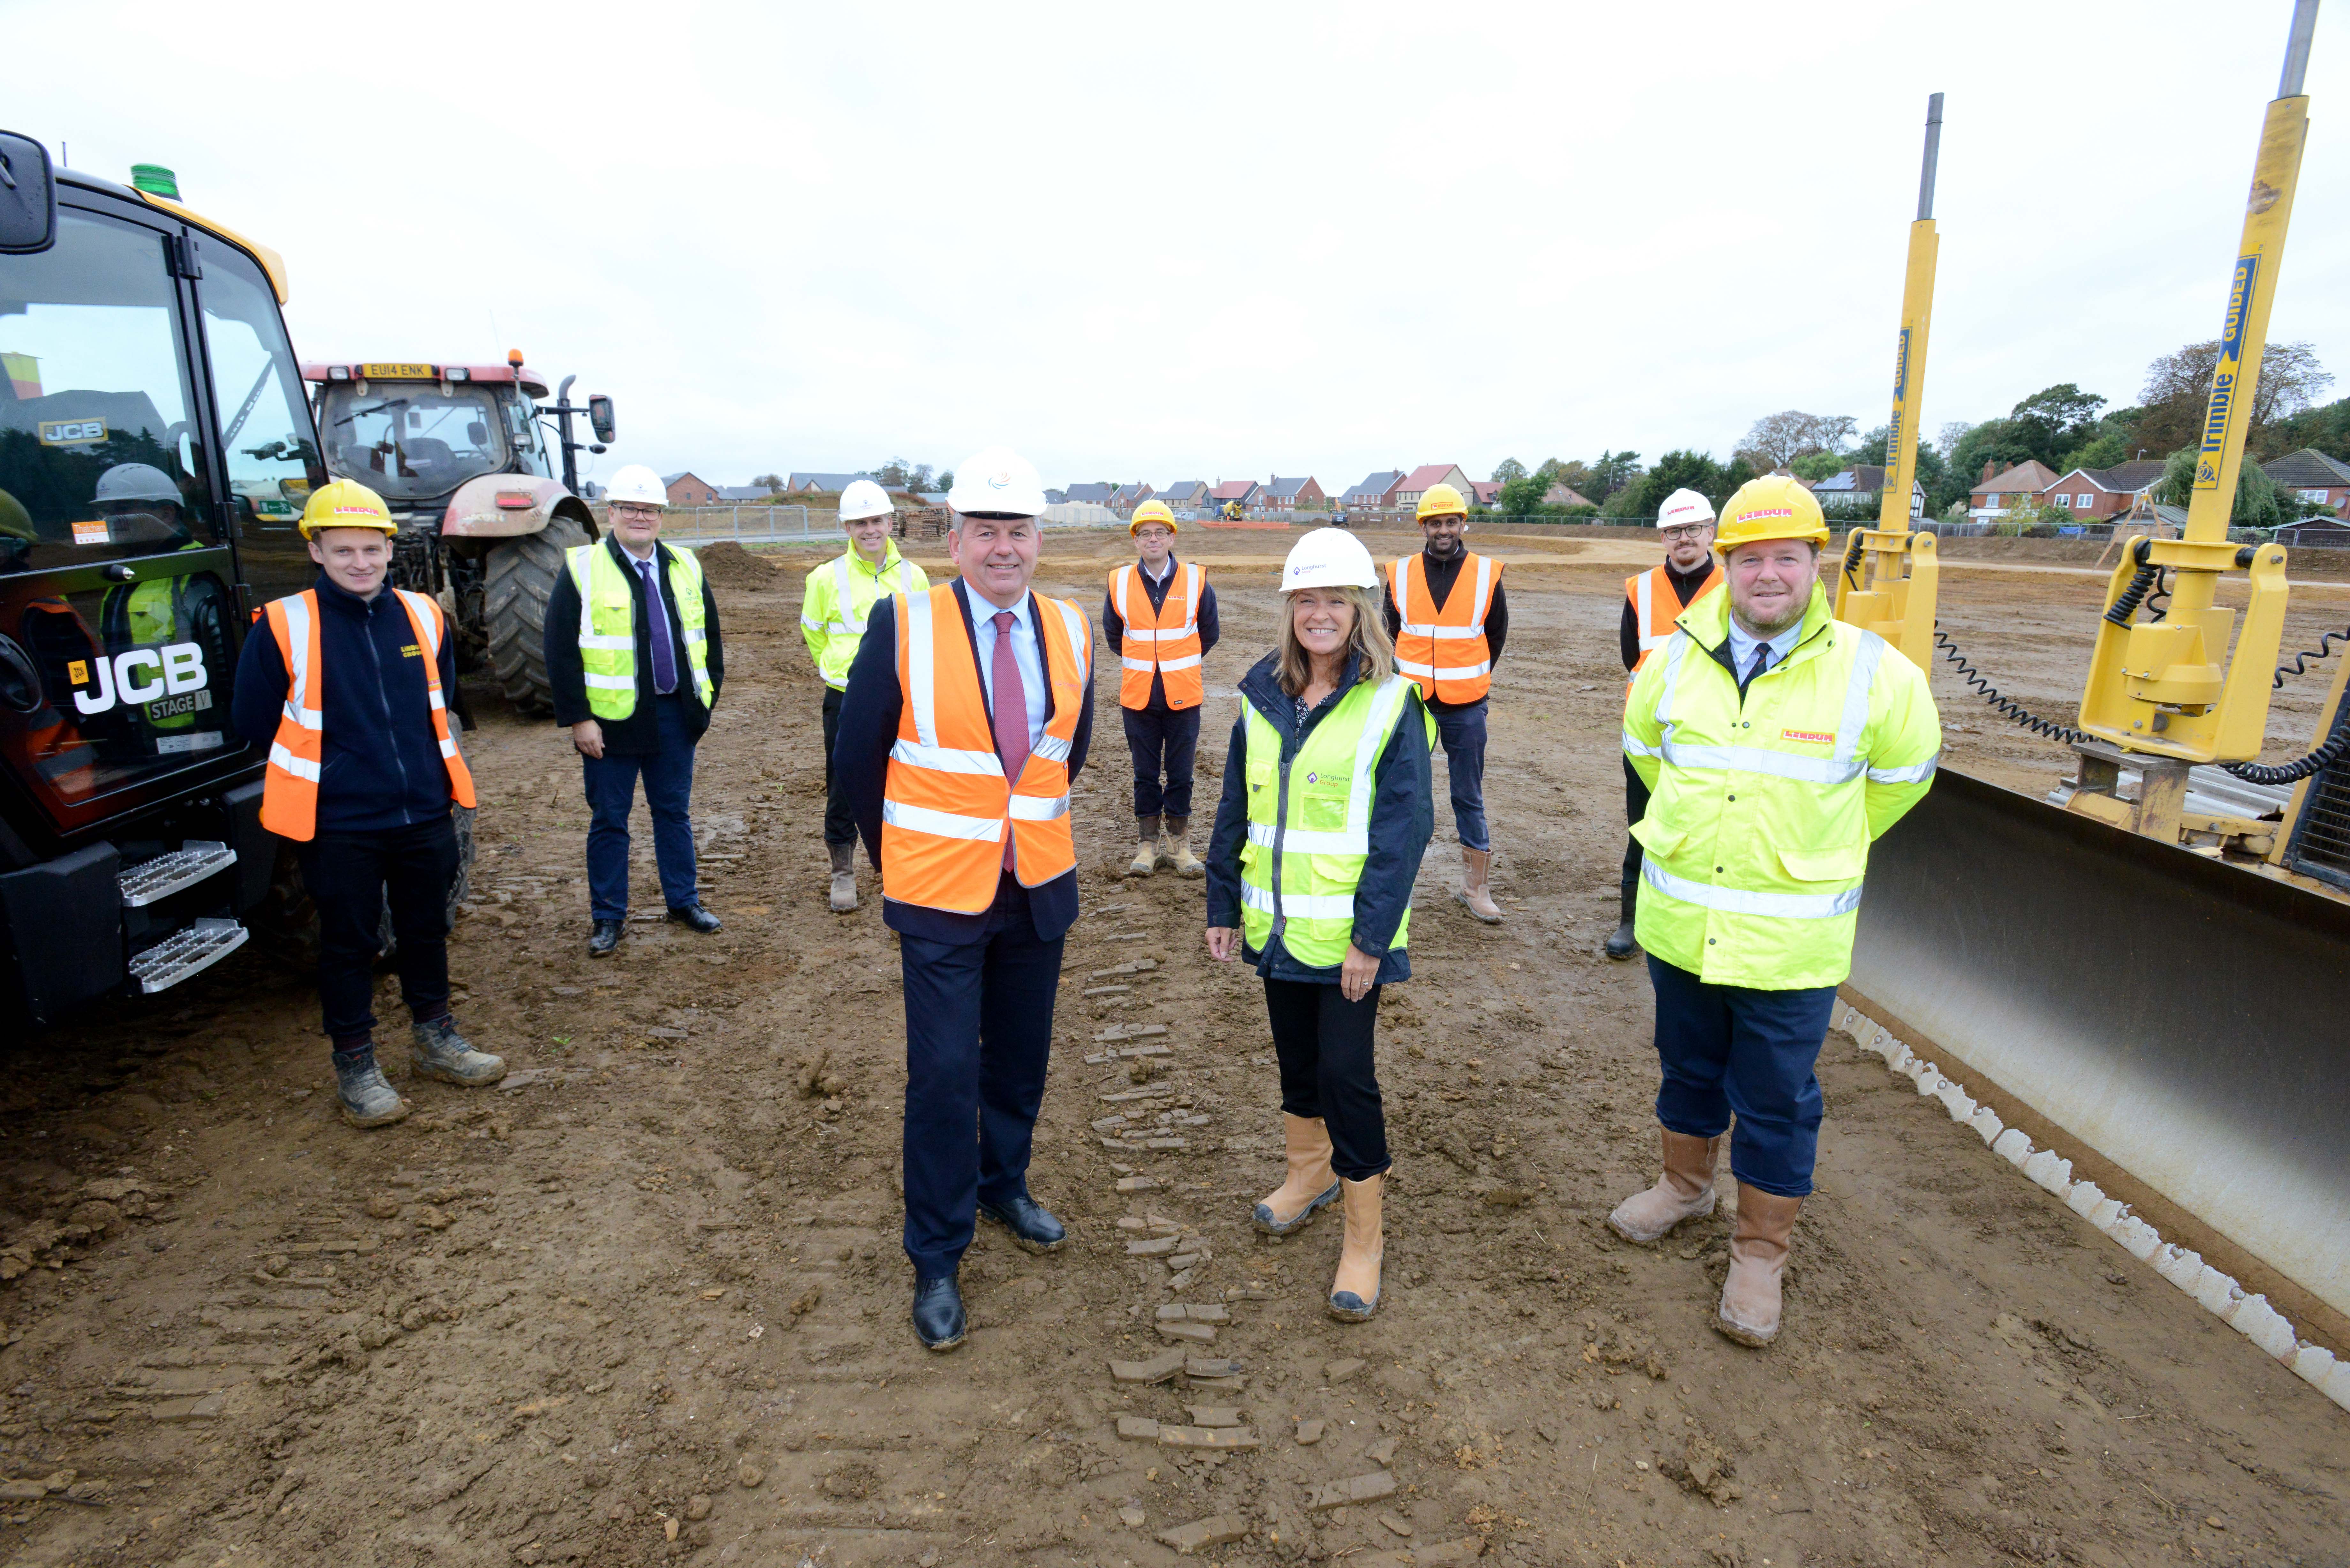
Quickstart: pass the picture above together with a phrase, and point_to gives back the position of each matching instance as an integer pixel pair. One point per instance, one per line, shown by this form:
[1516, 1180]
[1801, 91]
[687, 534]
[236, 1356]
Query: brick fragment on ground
[1310, 1432]
[1216, 1529]
[1155, 1369]
[1140, 1427]
[1225, 1439]
[1339, 1371]
[1354, 1489]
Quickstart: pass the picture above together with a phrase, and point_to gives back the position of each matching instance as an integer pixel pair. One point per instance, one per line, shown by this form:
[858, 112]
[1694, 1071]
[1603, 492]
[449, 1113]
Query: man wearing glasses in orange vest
[1160, 618]
[349, 684]
[1653, 601]
[967, 717]
[1449, 619]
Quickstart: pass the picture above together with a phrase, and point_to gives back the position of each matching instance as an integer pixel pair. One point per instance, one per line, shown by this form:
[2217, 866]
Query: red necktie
[1011, 713]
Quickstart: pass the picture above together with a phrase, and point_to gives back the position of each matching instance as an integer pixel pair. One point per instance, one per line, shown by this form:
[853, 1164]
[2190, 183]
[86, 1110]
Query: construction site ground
[646, 1303]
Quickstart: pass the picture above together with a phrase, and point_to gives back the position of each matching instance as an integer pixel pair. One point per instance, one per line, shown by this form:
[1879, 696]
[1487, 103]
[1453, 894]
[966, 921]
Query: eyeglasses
[635, 513]
[1692, 532]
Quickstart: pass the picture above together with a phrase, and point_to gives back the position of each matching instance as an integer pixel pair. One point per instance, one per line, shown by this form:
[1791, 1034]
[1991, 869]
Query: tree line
[2061, 426]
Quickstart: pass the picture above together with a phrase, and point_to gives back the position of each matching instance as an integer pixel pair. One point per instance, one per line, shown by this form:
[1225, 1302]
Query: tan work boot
[1310, 1184]
[1175, 847]
[1684, 1191]
[1146, 854]
[844, 878]
[1354, 1291]
[1749, 1312]
[1474, 865]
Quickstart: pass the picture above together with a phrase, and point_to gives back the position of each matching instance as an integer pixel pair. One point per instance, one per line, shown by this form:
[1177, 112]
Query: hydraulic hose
[2294, 772]
[1852, 560]
[2325, 647]
[2007, 707]
[2141, 584]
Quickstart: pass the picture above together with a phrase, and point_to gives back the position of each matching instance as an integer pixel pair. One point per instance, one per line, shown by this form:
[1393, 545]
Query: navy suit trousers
[979, 1033]
[1733, 1048]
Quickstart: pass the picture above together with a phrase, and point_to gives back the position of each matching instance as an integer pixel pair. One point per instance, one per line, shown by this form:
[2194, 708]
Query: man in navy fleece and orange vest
[968, 713]
[348, 685]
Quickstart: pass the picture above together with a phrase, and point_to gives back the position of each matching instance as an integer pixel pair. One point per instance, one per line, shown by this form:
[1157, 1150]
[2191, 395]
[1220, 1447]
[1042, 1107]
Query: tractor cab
[416, 433]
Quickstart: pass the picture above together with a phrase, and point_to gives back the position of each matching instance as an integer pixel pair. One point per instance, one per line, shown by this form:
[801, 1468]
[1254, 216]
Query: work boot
[1354, 1291]
[603, 938]
[1684, 1191]
[693, 916]
[1310, 1184]
[1032, 1226]
[442, 1053]
[1626, 941]
[1175, 847]
[1146, 854]
[938, 1321]
[1749, 1312]
[1474, 865]
[1621, 944]
[844, 878]
[367, 1101]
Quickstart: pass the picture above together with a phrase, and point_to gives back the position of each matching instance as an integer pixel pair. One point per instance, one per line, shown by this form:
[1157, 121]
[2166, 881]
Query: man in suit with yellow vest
[968, 715]
[1653, 601]
[1448, 618]
[634, 665]
[1777, 744]
[1160, 618]
[348, 684]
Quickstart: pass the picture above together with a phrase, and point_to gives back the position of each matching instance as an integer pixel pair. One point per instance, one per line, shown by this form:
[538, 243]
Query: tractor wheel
[521, 579]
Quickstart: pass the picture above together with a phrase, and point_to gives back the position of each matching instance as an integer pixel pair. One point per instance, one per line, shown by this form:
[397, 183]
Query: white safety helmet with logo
[131, 481]
[863, 499]
[638, 486]
[1683, 507]
[997, 480]
[1328, 558]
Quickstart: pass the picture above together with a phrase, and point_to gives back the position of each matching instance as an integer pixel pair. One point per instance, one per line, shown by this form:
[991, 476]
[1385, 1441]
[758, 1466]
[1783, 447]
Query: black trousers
[1323, 1045]
[1636, 806]
[840, 817]
[1167, 740]
[979, 1036]
[349, 875]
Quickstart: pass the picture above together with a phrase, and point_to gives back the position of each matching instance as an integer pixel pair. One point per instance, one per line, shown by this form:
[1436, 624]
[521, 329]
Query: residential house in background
[1131, 496]
[689, 489]
[1418, 481]
[745, 493]
[1994, 492]
[1244, 490]
[2097, 494]
[1487, 492]
[1375, 493]
[1280, 494]
[1186, 494]
[1092, 494]
[820, 484]
[1862, 487]
[2314, 477]
[1560, 494]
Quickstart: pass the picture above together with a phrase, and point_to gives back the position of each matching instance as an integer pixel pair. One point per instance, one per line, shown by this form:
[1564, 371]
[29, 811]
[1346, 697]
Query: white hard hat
[636, 482]
[997, 479]
[135, 481]
[1683, 507]
[1328, 558]
[863, 498]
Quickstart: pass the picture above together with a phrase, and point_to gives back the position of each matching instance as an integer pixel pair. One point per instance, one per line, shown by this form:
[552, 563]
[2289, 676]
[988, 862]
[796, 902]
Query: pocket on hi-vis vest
[1259, 774]
[1838, 865]
[1324, 809]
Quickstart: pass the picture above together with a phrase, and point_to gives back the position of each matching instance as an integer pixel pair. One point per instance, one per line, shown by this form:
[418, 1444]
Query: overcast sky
[1215, 241]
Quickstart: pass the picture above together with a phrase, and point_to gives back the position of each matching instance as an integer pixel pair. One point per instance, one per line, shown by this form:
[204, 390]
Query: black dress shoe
[937, 1312]
[1621, 944]
[1033, 1227]
[603, 938]
[695, 916]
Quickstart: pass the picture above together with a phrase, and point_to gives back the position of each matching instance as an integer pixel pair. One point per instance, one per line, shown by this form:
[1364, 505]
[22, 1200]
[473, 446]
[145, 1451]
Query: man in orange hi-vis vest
[968, 713]
[1448, 618]
[1653, 601]
[348, 686]
[1158, 619]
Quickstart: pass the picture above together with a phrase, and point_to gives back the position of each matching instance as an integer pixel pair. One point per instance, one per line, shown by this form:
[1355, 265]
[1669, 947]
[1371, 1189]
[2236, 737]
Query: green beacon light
[156, 181]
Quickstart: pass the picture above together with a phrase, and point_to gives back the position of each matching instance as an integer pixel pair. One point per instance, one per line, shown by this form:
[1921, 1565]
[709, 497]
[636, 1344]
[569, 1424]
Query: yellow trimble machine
[2155, 961]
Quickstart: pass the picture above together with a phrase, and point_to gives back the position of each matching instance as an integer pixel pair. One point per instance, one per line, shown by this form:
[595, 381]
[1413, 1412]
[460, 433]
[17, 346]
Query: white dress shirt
[1743, 643]
[1025, 654]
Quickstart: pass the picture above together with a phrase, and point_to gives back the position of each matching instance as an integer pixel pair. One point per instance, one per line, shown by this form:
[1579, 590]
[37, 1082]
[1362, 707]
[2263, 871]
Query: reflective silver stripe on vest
[582, 576]
[942, 824]
[1756, 760]
[1039, 808]
[1409, 668]
[1386, 704]
[1299, 906]
[1735, 901]
[1675, 646]
[300, 767]
[923, 697]
[1081, 640]
[1633, 746]
[1189, 661]
[297, 659]
[610, 682]
[1916, 775]
[946, 759]
[1301, 841]
[1641, 600]
[1051, 747]
[1865, 661]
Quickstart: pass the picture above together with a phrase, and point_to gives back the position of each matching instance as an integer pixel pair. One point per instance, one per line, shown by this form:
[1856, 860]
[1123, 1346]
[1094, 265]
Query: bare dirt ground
[646, 1303]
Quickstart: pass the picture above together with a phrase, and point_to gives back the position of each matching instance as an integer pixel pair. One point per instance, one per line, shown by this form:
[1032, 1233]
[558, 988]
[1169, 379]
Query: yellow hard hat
[1772, 507]
[1152, 512]
[1441, 501]
[344, 503]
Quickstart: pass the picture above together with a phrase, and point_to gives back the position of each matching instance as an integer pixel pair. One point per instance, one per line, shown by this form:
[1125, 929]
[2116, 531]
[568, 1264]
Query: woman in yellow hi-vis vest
[1324, 816]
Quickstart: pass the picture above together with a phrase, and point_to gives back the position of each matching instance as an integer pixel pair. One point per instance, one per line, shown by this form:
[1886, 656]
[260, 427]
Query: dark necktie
[664, 656]
[1761, 662]
[1010, 712]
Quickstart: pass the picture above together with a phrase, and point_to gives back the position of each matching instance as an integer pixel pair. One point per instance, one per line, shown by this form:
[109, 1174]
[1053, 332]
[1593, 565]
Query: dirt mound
[730, 566]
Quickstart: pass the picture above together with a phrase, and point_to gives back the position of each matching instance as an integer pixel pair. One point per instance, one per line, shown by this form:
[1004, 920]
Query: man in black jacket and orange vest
[348, 685]
[968, 714]
[1448, 618]
[1653, 602]
[1160, 618]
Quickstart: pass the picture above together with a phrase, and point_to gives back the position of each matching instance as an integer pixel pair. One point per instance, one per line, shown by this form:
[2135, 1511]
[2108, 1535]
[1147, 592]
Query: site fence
[757, 522]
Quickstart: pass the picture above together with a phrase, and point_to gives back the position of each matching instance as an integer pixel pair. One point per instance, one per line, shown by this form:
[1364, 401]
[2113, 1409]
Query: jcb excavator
[2154, 961]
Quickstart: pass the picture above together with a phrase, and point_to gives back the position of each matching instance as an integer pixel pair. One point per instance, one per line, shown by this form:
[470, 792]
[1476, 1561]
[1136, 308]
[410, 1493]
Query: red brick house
[1420, 480]
[1292, 495]
[1244, 490]
[2313, 476]
[690, 489]
[2096, 494]
[1993, 493]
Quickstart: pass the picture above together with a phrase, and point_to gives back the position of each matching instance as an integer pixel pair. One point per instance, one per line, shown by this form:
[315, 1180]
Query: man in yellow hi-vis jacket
[1777, 743]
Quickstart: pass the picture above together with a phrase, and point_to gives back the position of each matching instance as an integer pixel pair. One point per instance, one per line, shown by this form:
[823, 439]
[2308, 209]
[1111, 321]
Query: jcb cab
[155, 453]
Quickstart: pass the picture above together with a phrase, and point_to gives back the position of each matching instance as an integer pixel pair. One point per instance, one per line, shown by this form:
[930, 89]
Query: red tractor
[459, 455]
